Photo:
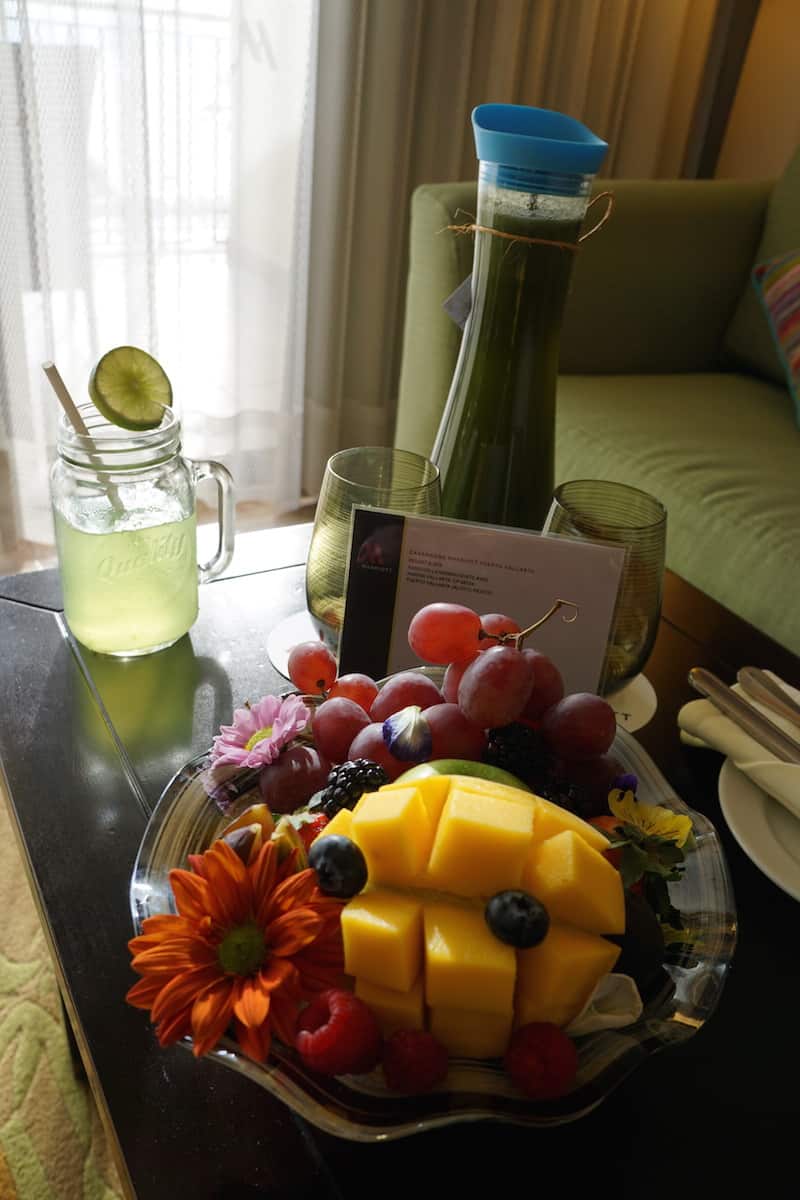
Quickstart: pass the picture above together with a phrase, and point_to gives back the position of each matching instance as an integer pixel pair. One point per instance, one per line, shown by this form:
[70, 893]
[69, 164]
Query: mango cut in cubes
[341, 823]
[395, 833]
[550, 819]
[576, 884]
[481, 844]
[433, 789]
[557, 977]
[468, 1034]
[382, 935]
[465, 964]
[394, 1009]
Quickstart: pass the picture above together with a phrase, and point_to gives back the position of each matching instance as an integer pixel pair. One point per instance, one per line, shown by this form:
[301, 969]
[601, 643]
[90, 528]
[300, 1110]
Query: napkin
[614, 1003]
[702, 724]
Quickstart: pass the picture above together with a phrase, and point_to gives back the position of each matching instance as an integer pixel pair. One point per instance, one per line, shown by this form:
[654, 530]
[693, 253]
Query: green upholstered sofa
[669, 378]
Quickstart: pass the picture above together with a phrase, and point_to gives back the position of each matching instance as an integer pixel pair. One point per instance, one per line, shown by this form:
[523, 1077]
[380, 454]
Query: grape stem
[518, 638]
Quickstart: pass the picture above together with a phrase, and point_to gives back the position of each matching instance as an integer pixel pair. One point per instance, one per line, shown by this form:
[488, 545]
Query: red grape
[548, 686]
[452, 734]
[409, 687]
[334, 725]
[292, 778]
[497, 625]
[452, 678]
[495, 687]
[444, 633]
[359, 688]
[579, 726]
[369, 744]
[311, 667]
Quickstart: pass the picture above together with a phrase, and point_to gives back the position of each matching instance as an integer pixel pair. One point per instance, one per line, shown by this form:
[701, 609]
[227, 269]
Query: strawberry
[337, 1034]
[541, 1060]
[414, 1061]
[609, 826]
[309, 830]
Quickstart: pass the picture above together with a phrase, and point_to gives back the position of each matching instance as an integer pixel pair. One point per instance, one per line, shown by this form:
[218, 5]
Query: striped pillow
[777, 282]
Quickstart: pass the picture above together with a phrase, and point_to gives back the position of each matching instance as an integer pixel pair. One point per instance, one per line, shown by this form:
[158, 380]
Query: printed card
[399, 563]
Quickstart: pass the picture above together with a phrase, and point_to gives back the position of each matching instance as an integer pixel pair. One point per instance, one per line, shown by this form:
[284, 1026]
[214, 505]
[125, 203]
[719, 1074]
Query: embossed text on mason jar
[166, 551]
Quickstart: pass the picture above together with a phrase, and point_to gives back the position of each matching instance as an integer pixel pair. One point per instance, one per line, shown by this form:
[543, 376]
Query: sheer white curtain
[155, 176]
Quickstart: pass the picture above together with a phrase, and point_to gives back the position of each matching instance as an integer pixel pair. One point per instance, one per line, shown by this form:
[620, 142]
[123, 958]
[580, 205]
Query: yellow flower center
[258, 736]
[242, 950]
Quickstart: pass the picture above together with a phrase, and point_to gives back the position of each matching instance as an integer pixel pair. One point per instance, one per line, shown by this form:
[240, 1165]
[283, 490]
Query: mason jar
[125, 523]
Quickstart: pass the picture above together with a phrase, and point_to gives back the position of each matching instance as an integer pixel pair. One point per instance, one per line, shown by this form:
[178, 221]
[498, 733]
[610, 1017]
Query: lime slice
[130, 388]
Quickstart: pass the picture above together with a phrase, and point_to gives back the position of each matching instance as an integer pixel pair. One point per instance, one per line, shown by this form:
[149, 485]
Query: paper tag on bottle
[458, 303]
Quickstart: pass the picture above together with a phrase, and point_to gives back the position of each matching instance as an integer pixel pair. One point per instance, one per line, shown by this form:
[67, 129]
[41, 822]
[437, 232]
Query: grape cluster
[499, 702]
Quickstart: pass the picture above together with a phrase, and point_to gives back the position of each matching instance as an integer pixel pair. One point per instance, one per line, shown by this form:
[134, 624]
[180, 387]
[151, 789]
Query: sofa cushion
[748, 338]
[722, 452]
[777, 282]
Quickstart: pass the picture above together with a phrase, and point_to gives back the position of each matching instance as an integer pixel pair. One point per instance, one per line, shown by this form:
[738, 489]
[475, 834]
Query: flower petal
[251, 1002]
[181, 991]
[190, 892]
[145, 990]
[174, 955]
[262, 876]
[279, 972]
[283, 1015]
[298, 889]
[292, 931]
[229, 891]
[211, 1016]
[174, 1027]
[255, 1042]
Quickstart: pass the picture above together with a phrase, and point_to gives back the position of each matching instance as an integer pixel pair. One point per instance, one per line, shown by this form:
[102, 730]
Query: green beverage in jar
[134, 588]
[124, 510]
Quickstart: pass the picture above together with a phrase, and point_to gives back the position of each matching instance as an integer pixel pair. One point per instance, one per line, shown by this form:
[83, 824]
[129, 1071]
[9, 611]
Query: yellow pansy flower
[652, 819]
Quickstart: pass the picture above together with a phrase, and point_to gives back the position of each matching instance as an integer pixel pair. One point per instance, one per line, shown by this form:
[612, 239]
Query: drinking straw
[76, 421]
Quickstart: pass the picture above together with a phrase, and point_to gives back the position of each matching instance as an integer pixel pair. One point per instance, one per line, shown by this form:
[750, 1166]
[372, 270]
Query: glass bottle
[124, 511]
[495, 444]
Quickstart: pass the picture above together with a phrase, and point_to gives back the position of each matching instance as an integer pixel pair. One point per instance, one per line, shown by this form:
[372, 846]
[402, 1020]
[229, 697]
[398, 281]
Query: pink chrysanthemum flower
[259, 732]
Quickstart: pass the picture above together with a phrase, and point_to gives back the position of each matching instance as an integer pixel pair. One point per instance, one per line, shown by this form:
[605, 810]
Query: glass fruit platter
[681, 998]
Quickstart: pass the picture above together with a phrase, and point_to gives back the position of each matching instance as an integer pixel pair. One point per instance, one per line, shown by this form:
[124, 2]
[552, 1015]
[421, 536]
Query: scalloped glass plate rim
[363, 1109]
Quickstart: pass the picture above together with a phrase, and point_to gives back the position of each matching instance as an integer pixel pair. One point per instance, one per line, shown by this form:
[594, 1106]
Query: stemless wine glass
[603, 510]
[372, 477]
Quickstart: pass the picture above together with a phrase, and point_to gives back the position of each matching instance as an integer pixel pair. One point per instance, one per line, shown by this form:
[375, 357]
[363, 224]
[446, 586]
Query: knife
[762, 687]
[745, 716]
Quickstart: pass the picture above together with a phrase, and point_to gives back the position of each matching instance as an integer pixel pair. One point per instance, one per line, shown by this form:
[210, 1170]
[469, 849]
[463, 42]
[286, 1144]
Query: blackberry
[519, 749]
[347, 784]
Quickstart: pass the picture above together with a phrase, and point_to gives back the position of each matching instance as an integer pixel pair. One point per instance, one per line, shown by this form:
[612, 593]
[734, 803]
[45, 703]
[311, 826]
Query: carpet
[52, 1142]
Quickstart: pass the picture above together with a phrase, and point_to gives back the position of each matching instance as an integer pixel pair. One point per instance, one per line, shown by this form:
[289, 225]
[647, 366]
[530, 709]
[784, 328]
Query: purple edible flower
[626, 783]
[408, 735]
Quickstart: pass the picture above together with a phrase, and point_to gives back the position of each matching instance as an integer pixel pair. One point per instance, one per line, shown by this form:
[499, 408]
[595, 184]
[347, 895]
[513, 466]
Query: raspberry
[413, 1061]
[338, 1035]
[541, 1060]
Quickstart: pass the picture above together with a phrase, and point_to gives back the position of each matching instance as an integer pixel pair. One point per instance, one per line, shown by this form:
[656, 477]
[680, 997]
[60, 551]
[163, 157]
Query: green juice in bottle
[495, 444]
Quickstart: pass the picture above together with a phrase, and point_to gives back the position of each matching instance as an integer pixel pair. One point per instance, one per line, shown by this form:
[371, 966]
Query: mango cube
[488, 787]
[481, 844]
[394, 1010]
[550, 819]
[557, 977]
[382, 935]
[341, 823]
[433, 789]
[394, 831]
[465, 964]
[468, 1034]
[576, 884]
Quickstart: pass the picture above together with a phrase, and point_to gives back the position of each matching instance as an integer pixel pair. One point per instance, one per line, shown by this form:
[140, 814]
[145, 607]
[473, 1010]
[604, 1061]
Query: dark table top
[88, 743]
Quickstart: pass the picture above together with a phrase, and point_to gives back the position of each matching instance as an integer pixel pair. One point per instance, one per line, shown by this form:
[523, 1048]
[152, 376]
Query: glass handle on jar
[225, 517]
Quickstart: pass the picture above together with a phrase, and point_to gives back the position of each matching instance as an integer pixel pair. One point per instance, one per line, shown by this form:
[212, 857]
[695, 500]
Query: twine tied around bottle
[473, 227]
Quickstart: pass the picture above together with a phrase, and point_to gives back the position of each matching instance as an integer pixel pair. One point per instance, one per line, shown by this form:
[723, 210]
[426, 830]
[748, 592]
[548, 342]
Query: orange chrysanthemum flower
[247, 946]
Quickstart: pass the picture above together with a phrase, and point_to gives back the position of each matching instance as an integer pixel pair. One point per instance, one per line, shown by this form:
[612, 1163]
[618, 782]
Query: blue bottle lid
[534, 139]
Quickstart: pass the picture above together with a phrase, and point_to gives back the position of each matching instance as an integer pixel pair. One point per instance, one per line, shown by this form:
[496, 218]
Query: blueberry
[517, 918]
[341, 867]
